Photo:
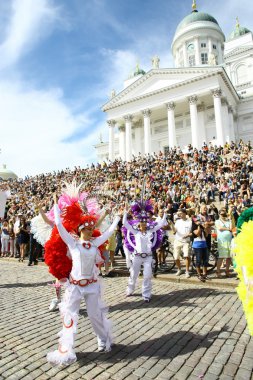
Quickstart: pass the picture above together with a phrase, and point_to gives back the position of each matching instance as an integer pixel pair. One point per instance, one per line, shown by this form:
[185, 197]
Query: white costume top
[83, 258]
[143, 240]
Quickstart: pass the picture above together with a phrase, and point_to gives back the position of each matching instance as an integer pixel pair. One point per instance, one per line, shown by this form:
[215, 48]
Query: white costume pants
[137, 261]
[69, 309]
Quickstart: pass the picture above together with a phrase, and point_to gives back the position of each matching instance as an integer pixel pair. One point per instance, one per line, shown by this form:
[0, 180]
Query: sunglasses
[87, 225]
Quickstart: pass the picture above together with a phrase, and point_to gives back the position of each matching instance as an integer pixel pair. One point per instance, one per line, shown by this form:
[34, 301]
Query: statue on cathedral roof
[113, 93]
[155, 62]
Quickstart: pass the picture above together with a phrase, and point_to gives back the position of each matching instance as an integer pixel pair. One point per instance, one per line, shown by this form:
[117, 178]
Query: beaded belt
[142, 255]
[83, 282]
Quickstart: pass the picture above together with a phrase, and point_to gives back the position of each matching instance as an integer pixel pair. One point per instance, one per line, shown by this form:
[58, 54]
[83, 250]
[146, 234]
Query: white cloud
[29, 21]
[34, 122]
[120, 64]
[33, 127]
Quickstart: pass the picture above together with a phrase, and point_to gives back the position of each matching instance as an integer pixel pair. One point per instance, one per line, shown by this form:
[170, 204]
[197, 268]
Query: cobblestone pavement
[186, 332]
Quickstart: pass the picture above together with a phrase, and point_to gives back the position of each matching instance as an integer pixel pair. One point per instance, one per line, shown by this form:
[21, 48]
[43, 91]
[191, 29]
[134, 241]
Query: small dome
[238, 31]
[138, 71]
[195, 16]
[6, 174]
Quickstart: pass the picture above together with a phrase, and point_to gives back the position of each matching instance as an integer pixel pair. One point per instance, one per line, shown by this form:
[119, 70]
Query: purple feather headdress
[140, 210]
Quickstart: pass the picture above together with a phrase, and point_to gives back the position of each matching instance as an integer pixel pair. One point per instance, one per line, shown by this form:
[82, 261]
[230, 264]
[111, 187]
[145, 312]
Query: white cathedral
[207, 96]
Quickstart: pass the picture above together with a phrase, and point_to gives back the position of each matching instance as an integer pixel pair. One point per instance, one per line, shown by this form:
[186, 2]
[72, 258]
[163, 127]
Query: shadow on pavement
[180, 298]
[170, 345]
[22, 285]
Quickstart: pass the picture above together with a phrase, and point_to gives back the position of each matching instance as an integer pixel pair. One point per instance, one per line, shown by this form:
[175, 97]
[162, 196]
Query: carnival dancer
[42, 225]
[243, 247]
[83, 280]
[142, 236]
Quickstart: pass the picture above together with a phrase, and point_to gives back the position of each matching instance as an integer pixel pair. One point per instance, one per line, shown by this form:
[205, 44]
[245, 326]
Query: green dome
[138, 71]
[237, 32]
[194, 17]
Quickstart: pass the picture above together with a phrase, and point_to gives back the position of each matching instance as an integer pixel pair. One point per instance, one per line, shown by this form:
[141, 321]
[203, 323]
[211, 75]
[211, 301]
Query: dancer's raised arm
[127, 225]
[66, 237]
[43, 215]
[101, 239]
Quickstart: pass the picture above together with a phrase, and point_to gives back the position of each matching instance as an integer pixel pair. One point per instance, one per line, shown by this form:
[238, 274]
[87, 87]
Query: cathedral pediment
[159, 80]
[238, 50]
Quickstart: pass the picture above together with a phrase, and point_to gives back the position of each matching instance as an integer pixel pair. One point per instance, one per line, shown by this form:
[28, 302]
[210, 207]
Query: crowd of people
[201, 191]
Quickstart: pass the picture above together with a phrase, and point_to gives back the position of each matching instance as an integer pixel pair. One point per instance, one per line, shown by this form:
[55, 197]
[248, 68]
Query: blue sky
[61, 58]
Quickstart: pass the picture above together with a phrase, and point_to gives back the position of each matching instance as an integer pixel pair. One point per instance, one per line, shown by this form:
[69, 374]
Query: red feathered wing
[56, 256]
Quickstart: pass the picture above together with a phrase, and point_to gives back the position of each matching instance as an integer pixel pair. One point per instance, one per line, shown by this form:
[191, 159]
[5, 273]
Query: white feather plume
[40, 229]
[72, 189]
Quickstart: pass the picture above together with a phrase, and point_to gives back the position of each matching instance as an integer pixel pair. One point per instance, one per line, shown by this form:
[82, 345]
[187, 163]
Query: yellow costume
[244, 267]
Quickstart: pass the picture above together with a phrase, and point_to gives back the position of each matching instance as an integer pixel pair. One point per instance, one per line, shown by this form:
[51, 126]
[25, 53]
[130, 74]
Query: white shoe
[54, 304]
[102, 348]
[187, 275]
[179, 272]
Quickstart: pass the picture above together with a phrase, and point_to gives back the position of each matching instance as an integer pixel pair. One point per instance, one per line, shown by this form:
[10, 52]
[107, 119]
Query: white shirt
[166, 232]
[16, 226]
[183, 227]
[83, 259]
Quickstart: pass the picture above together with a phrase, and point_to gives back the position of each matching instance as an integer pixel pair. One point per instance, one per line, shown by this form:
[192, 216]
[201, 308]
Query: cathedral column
[128, 125]
[111, 124]
[201, 124]
[177, 59]
[194, 121]
[186, 63]
[224, 105]
[171, 124]
[210, 46]
[147, 133]
[218, 116]
[231, 123]
[122, 143]
[137, 145]
[197, 52]
[220, 53]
